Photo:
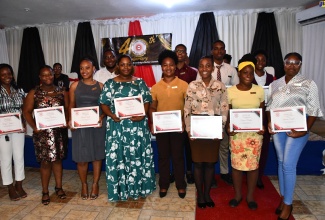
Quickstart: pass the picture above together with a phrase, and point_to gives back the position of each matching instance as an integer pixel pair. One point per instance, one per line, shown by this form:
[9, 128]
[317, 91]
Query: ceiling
[31, 12]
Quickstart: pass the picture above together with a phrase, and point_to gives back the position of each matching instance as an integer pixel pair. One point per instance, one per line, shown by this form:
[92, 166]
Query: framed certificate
[286, 119]
[129, 106]
[10, 123]
[85, 117]
[167, 121]
[51, 117]
[244, 120]
[206, 127]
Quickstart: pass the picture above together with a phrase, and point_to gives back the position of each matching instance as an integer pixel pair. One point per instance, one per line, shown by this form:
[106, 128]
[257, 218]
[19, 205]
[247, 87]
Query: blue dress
[129, 156]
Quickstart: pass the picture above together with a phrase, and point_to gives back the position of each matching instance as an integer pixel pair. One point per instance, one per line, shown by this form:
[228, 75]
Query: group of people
[125, 144]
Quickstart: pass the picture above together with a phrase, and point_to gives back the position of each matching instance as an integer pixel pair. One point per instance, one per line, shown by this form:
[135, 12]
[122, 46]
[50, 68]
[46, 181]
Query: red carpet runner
[267, 200]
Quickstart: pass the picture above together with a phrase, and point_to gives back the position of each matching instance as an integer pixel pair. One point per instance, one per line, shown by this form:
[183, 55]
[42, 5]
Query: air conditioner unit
[311, 15]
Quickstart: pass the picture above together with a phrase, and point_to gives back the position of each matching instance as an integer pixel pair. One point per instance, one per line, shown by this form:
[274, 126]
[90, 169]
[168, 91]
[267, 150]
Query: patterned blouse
[201, 99]
[299, 91]
[11, 103]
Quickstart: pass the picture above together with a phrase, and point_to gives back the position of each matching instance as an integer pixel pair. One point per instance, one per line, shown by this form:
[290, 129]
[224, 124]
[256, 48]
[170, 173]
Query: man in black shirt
[60, 79]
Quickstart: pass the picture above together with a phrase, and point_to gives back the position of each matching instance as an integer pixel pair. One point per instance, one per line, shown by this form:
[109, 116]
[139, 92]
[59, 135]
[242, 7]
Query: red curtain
[142, 71]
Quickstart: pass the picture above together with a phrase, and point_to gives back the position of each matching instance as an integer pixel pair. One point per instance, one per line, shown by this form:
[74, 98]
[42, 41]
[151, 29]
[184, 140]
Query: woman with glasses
[293, 89]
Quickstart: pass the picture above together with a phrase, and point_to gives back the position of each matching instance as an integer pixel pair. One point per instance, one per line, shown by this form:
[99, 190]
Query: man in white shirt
[108, 72]
[229, 76]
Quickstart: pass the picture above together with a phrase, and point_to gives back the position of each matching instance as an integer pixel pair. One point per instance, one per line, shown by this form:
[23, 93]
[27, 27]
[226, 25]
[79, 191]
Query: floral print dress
[245, 147]
[129, 156]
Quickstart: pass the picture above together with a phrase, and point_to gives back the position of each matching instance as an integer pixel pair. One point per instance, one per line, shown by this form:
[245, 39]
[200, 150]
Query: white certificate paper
[286, 119]
[85, 117]
[167, 121]
[10, 123]
[129, 106]
[245, 120]
[51, 117]
[206, 127]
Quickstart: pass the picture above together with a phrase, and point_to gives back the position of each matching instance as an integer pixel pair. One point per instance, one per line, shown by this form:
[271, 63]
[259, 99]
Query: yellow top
[245, 99]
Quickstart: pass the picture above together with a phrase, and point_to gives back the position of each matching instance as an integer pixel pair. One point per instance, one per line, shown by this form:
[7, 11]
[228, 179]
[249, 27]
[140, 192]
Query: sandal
[62, 195]
[45, 201]
[94, 196]
[13, 195]
[84, 196]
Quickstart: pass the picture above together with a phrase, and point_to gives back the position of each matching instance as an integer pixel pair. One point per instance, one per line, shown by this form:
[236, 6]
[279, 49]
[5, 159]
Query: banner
[143, 49]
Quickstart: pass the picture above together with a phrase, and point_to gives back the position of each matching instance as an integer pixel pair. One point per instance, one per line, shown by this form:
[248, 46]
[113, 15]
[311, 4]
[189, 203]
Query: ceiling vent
[311, 15]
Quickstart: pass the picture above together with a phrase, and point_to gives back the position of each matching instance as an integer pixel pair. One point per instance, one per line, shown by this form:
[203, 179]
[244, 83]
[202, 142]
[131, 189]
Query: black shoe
[227, 178]
[214, 183]
[252, 205]
[182, 194]
[260, 184]
[201, 205]
[279, 218]
[210, 204]
[189, 178]
[171, 178]
[234, 203]
[162, 194]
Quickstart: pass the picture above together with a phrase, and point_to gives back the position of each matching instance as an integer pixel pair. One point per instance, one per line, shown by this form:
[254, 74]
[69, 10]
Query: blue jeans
[288, 151]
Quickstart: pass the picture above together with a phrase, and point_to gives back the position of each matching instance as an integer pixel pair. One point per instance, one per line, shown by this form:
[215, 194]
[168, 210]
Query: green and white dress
[129, 156]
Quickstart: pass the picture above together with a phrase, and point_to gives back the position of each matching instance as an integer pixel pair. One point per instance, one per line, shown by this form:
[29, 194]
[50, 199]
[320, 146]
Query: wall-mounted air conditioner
[311, 15]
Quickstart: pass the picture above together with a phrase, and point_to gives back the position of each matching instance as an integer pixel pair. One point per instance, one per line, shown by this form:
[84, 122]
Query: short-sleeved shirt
[299, 91]
[245, 99]
[169, 96]
[62, 81]
[11, 103]
[186, 73]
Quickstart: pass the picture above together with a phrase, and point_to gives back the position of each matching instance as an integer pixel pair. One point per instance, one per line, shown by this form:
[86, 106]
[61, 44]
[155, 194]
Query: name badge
[253, 92]
[297, 84]
[229, 76]
[182, 73]
[174, 87]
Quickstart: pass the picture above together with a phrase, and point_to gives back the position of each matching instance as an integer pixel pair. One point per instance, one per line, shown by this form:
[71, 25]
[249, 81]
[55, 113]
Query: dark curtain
[31, 59]
[266, 38]
[84, 46]
[205, 34]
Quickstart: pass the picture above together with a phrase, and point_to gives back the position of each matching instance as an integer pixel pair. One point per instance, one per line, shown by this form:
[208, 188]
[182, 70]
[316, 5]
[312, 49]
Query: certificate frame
[167, 121]
[85, 117]
[127, 107]
[10, 123]
[206, 127]
[51, 117]
[246, 120]
[287, 118]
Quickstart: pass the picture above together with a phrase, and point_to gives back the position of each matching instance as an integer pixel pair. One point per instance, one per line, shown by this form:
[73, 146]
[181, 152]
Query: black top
[62, 81]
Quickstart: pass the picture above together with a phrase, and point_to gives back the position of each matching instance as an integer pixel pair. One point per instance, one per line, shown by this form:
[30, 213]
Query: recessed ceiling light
[170, 3]
[27, 9]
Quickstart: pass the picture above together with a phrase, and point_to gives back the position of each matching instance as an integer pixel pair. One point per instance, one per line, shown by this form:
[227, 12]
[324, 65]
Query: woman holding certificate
[291, 90]
[129, 157]
[12, 143]
[88, 135]
[167, 95]
[50, 143]
[245, 147]
[206, 96]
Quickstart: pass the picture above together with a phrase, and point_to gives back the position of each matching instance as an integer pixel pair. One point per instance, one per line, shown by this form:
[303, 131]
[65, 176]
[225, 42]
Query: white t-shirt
[103, 75]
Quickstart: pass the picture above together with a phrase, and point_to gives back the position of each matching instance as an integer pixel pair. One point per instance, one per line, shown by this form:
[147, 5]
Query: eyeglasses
[292, 62]
[180, 51]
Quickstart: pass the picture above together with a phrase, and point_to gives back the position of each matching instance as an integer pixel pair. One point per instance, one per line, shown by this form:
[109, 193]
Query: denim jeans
[288, 151]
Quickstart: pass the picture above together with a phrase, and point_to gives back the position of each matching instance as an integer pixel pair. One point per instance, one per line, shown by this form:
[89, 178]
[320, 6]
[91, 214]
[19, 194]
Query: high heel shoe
[285, 207]
[62, 195]
[84, 196]
[201, 205]
[280, 207]
[94, 195]
[45, 201]
[210, 204]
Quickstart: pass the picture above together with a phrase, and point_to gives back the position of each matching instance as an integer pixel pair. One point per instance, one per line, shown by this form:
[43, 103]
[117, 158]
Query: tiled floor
[309, 201]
